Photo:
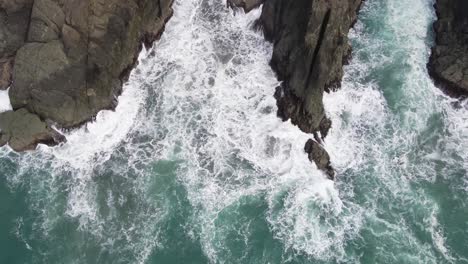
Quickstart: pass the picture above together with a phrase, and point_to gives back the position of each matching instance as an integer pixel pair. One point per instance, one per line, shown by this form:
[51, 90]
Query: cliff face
[311, 46]
[448, 64]
[67, 59]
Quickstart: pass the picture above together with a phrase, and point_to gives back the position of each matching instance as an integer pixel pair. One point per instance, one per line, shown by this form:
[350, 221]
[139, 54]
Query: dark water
[195, 167]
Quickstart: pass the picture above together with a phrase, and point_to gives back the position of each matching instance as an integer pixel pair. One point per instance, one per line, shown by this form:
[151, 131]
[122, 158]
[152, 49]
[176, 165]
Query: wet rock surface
[310, 39]
[310, 47]
[448, 64]
[6, 69]
[65, 60]
[318, 155]
[23, 131]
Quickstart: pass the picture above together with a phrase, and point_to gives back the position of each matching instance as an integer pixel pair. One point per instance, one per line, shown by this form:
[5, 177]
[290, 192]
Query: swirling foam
[391, 126]
[202, 102]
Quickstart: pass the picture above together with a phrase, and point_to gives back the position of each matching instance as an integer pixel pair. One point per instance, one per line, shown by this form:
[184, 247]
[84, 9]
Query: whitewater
[194, 166]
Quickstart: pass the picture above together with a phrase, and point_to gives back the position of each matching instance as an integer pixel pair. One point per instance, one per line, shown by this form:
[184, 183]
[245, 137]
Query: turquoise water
[194, 166]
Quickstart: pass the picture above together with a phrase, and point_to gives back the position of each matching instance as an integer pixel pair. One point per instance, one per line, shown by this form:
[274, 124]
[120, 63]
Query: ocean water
[195, 167]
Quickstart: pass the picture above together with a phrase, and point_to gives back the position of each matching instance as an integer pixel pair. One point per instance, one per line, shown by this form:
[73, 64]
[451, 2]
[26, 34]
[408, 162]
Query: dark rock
[325, 126]
[6, 70]
[73, 58]
[23, 131]
[14, 16]
[14, 21]
[67, 59]
[310, 47]
[320, 157]
[448, 64]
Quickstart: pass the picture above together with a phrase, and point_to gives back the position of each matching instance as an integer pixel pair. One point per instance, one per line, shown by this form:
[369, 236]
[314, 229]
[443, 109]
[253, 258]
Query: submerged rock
[448, 64]
[23, 131]
[320, 157]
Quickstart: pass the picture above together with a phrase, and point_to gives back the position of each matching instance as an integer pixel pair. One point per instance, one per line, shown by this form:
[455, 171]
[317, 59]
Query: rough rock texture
[320, 157]
[14, 17]
[23, 131]
[448, 64]
[311, 46]
[67, 59]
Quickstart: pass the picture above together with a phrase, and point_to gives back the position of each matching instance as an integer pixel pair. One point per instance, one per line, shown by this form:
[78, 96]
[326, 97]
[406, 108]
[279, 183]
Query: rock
[6, 70]
[325, 126]
[320, 157]
[310, 48]
[72, 60]
[67, 59]
[14, 17]
[13, 29]
[448, 64]
[23, 131]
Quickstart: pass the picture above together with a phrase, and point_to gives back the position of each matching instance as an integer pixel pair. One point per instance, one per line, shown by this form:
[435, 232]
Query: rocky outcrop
[14, 17]
[23, 131]
[448, 64]
[310, 48]
[310, 39]
[320, 157]
[67, 59]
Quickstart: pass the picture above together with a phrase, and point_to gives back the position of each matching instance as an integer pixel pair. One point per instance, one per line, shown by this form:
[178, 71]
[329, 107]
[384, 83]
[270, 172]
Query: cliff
[448, 64]
[65, 60]
[311, 46]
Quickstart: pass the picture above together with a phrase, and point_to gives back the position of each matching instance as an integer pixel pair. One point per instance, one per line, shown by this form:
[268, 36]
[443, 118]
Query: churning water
[195, 167]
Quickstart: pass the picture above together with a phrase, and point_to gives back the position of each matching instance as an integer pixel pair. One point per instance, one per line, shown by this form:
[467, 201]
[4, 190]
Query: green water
[194, 166]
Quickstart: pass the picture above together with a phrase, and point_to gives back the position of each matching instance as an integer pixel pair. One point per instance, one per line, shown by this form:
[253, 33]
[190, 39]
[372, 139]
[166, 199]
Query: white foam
[218, 106]
[96, 140]
[391, 134]
[204, 99]
[5, 104]
[438, 237]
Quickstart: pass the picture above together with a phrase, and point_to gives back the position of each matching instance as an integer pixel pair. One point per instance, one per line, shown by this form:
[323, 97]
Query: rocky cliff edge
[448, 64]
[311, 46]
[65, 60]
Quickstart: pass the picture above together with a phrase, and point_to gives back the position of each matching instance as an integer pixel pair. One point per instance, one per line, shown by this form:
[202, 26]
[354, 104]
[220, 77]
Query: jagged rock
[325, 126]
[448, 64]
[320, 157]
[23, 131]
[67, 59]
[72, 60]
[310, 48]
